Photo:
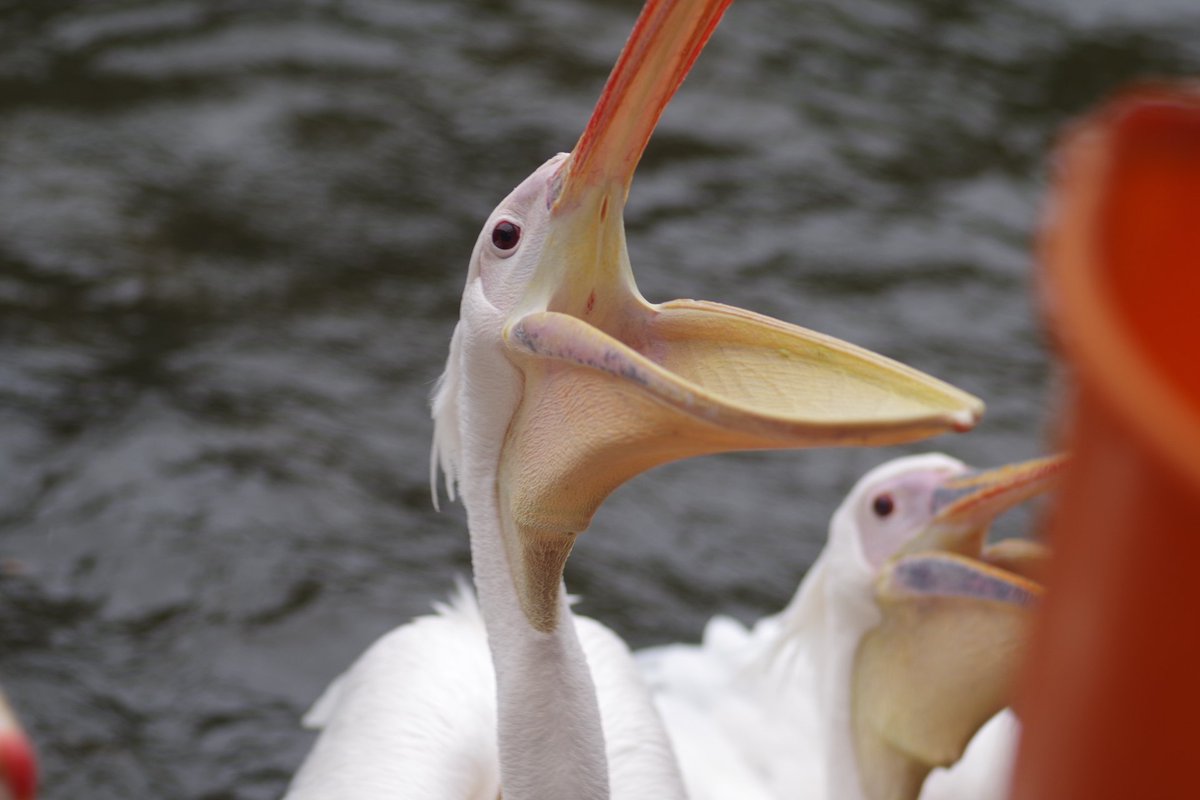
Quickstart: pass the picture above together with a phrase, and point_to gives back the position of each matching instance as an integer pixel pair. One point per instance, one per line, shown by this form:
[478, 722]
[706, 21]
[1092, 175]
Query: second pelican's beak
[615, 385]
[955, 622]
[965, 505]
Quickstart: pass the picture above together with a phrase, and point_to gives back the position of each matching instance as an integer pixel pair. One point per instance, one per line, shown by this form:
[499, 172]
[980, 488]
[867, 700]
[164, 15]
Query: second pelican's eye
[883, 505]
[506, 235]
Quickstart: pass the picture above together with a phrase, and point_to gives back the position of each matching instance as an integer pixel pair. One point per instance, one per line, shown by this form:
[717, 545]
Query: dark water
[232, 238]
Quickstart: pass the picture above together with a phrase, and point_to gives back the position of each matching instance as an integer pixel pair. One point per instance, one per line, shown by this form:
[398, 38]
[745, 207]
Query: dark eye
[506, 235]
[883, 505]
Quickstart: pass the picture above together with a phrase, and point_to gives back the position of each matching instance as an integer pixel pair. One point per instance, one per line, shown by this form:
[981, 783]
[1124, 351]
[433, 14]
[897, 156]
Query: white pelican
[562, 382]
[18, 765]
[896, 648]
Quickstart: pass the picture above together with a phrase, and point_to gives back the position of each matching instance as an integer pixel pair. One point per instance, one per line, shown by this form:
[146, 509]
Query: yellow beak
[615, 385]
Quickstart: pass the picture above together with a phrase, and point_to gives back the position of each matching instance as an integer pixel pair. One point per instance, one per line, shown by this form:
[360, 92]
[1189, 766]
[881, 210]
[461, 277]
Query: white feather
[387, 728]
[985, 770]
[415, 716]
[446, 451]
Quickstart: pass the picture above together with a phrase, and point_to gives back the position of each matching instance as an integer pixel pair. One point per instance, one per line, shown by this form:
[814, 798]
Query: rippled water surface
[232, 238]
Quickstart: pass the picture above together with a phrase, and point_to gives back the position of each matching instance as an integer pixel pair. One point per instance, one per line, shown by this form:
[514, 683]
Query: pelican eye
[506, 235]
[883, 505]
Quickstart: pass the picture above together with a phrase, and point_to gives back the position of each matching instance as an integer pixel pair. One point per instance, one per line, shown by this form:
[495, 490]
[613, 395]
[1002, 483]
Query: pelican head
[563, 381]
[944, 617]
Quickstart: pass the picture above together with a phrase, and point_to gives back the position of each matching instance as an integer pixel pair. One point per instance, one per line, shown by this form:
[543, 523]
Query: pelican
[561, 383]
[18, 765]
[898, 645]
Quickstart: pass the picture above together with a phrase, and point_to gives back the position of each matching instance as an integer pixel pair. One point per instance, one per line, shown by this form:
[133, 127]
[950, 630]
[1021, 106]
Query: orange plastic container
[1111, 696]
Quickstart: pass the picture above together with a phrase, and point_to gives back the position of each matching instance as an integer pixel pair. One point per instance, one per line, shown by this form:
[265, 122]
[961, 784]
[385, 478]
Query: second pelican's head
[563, 382]
[934, 619]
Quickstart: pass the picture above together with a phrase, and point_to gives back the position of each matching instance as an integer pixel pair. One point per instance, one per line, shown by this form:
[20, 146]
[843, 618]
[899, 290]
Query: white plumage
[418, 711]
[387, 724]
[985, 770]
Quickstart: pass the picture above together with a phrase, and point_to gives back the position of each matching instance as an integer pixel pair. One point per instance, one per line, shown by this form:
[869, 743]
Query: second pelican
[899, 644]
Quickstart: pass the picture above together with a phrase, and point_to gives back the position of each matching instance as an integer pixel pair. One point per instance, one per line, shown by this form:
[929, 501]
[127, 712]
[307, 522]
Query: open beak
[615, 385]
[955, 621]
[965, 505]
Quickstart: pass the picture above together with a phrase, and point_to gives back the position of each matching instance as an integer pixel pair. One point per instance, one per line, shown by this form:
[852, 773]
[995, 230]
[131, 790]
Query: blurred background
[232, 241]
